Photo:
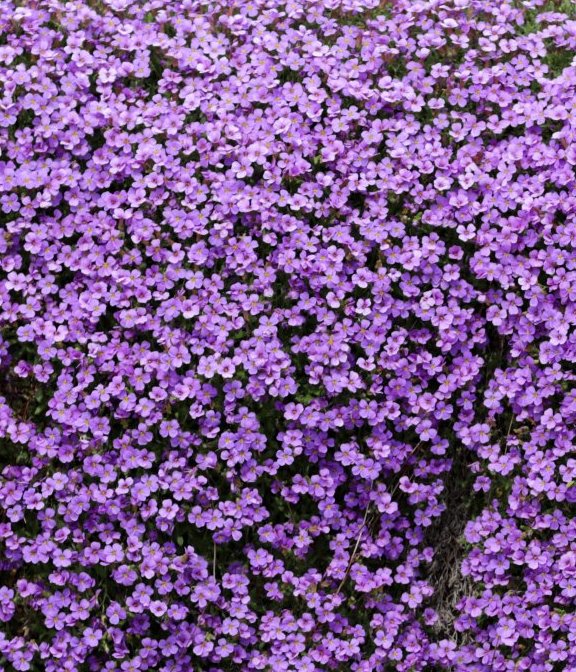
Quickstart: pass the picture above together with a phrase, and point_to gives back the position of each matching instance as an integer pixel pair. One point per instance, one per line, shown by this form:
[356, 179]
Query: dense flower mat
[287, 335]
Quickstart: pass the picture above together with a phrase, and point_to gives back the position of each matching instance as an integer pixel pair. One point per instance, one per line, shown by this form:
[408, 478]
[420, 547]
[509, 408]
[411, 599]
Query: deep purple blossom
[286, 347]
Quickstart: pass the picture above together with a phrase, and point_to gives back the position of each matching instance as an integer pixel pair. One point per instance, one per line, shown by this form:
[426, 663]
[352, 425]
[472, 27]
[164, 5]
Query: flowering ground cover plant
[287, 335]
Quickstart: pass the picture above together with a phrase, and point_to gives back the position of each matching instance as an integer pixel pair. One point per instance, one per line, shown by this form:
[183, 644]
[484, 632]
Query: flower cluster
[287, 335]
